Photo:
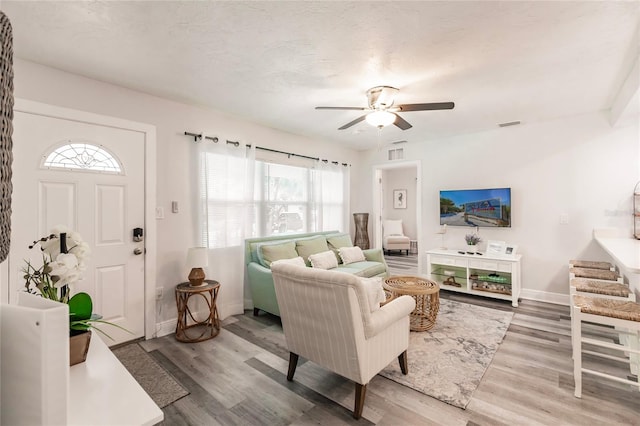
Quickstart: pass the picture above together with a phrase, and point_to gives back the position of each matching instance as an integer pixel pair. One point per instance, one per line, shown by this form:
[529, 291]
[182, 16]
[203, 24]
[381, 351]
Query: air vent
[510, 123]
[396, 154]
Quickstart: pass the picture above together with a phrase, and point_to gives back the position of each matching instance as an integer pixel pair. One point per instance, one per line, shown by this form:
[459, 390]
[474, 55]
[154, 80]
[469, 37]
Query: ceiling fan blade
[425, 107]
[356, 121]
[350, 108]
[402, 123]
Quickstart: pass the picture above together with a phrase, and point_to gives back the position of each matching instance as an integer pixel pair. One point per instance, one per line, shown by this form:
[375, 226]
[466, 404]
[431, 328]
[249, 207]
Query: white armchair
[393, 237]
[327, 318]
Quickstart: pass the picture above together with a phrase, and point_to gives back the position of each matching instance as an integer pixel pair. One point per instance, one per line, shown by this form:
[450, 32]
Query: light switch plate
[159, 213]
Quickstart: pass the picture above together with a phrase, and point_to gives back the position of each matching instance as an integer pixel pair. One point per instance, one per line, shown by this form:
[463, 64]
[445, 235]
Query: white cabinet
[482, 275]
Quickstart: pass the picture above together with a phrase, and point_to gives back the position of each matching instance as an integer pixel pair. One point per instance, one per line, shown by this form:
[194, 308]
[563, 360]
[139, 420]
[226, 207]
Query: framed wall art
[399, 198]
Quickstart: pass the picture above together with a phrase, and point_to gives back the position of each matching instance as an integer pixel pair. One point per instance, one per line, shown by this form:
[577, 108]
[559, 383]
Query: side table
[210, 326]
[427, 296]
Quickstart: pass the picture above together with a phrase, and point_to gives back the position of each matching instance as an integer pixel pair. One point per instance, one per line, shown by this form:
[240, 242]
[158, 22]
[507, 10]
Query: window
[293, 199]
[282, 193]
[83, 156]
[242, 198]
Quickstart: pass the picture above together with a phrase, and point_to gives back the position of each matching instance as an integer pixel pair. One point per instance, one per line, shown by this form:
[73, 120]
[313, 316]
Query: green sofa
[259, 252]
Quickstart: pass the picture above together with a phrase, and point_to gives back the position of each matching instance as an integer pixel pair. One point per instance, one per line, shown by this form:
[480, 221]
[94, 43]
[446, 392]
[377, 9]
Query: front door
[91, 197]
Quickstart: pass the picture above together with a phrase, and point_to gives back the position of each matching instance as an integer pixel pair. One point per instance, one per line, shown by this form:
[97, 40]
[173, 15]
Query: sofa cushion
[308, 246]
[351, 254]
[375, 292]
[324, 260]
[363, 269]
[296, 261]
[268, 253]
[338, 241]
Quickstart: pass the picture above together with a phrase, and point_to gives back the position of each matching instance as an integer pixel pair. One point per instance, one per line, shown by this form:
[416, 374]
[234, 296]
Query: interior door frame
[377, 201]
[149, 132]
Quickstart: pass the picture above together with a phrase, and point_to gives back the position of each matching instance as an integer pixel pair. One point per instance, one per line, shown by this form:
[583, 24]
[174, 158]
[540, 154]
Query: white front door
[104, 207]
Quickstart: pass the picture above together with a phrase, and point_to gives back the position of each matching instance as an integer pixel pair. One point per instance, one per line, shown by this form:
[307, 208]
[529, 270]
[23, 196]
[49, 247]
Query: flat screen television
[476, 207]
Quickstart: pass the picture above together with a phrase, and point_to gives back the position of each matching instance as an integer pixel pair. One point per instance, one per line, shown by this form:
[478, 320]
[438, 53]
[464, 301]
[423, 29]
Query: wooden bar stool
[591, 264]
[595, 274]
[619, 314]
[602, 289]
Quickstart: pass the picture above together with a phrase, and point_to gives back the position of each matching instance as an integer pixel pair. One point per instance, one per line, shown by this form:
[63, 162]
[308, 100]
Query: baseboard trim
[545, 296]
[166, 327]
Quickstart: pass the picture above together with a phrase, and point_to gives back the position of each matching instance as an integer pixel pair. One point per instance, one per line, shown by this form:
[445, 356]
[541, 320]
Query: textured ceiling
[273, 62]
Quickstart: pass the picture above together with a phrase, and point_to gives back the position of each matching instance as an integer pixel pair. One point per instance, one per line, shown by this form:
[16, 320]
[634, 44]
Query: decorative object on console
[472, 242]
[63, 256]
[495, 247]
[442, 232]
[197, 258]
[636, 211]
[362, 236]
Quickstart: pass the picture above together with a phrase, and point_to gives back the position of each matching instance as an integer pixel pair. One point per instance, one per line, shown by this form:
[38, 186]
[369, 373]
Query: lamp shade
[197, 257]
[380, 118]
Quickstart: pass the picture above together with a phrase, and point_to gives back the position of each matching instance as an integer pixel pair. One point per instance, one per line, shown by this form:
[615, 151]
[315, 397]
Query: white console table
[482, 275]
[102, 392]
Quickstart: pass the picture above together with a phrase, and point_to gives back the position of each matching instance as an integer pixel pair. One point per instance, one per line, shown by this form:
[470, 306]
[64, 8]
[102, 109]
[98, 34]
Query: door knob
[137, 251]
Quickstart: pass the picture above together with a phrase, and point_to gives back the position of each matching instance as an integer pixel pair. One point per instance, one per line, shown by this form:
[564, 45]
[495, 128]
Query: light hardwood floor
[239, 378]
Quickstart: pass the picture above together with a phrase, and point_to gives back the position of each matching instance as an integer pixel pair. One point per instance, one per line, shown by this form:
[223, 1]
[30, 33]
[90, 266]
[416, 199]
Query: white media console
[480, 274]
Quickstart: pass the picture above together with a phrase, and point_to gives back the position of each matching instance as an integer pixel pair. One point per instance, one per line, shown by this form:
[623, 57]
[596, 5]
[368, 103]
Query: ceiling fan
[383, 112]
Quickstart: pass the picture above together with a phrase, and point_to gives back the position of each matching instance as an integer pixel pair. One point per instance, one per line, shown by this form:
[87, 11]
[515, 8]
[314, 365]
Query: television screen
[476, 207]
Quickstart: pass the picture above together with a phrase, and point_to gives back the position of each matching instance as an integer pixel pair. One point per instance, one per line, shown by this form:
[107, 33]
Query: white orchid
[59, 270]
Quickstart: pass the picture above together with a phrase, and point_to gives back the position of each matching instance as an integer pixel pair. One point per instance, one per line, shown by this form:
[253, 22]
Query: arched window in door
[82, 156]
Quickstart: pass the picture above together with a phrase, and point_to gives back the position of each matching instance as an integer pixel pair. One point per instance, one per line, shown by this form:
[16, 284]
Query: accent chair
[331, 319]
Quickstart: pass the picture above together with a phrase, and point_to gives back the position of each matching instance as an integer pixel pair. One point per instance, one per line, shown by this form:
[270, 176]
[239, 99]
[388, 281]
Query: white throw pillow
[324, 260]
[296, 261]
[375, 292]
[392, 227]
[351, 254]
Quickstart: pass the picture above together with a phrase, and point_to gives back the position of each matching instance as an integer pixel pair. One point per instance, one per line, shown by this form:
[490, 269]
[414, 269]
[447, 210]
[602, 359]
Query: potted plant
[472, 240]
[64, 254]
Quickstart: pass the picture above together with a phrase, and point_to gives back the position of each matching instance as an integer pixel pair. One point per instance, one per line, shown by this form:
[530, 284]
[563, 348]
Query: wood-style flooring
[239, 378]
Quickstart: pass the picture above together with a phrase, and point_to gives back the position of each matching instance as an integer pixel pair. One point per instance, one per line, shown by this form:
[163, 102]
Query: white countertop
[102, 392]
[625, 251]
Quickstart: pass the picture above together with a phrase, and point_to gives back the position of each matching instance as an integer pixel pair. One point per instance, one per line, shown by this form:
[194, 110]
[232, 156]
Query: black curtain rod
[214, 139]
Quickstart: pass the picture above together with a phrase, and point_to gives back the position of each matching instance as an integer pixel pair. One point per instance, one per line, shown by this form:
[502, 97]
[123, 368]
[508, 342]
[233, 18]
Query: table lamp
[197, 258]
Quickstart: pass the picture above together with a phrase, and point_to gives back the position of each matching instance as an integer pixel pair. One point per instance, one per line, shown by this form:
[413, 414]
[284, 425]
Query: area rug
[449, 361]
[154, 379]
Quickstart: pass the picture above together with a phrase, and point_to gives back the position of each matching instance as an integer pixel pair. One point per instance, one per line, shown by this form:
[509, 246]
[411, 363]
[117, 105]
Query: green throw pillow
[337, 241]
[268, 253]
[309, 246]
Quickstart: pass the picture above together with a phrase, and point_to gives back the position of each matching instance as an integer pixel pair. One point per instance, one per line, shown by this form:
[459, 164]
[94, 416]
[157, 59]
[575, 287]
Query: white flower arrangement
[63, 261]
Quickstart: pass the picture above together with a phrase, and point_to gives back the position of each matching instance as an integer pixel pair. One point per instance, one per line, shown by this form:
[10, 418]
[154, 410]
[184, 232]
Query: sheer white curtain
[226, 216]
[226, 178]
[330, 197]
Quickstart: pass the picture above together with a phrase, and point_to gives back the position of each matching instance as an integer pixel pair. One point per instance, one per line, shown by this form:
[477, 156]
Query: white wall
[578, 166]
[177, 232]
[404, 178]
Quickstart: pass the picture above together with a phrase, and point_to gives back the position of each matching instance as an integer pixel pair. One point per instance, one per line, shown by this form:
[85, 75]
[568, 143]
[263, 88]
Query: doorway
[102, 205]
[402, 179]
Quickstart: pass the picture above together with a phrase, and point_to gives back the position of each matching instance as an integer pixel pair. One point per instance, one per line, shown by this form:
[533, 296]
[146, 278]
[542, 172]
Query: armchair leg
[404, 366]
[361, 391]
[293, 363]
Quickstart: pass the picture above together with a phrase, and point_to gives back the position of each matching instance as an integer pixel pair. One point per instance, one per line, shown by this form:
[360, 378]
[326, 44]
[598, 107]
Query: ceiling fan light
[380, 118]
